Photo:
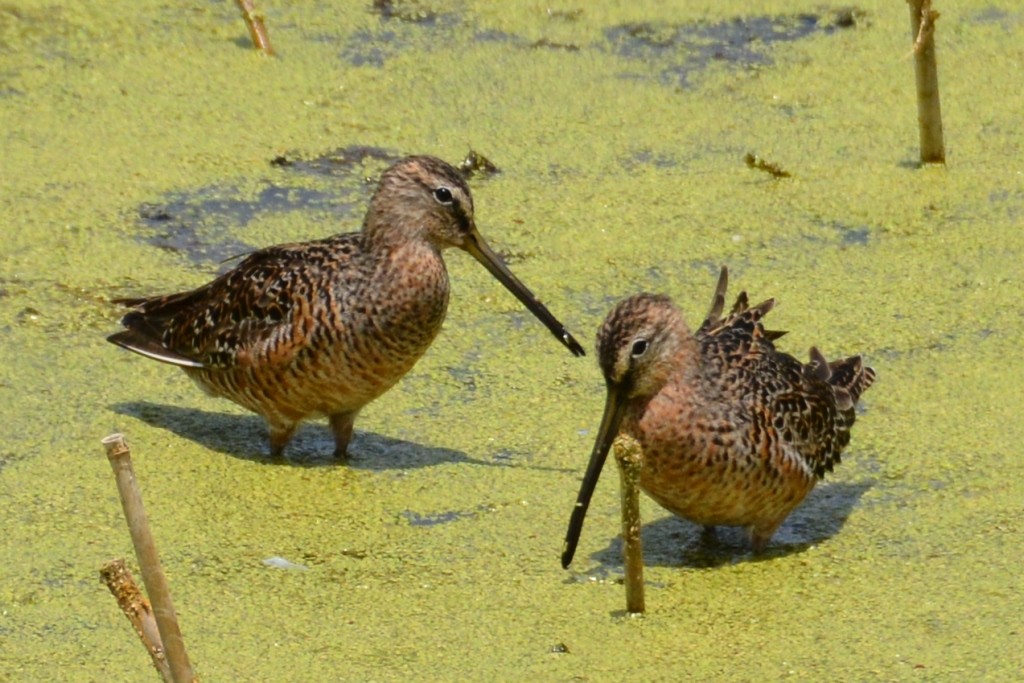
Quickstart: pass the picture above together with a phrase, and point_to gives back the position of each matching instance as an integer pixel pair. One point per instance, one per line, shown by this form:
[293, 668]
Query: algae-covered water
[137, 141]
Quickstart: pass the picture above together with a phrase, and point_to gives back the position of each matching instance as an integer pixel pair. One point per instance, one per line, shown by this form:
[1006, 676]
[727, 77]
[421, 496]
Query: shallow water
[138, 140]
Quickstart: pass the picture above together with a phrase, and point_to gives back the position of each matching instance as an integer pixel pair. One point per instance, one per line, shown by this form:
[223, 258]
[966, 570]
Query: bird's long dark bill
[614, 408]
[476, 246]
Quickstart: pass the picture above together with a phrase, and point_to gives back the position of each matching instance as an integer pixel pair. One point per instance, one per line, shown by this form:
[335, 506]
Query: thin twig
[769, 167]
[139, 612]
[628, 457]
[257, 29]
[149, 562]
[929, 112]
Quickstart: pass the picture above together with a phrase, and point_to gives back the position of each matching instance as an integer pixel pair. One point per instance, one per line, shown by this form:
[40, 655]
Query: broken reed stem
[149, 562]
[139, 612]
[627, 455]
[929, 113]
[769, 167]
[257, 29]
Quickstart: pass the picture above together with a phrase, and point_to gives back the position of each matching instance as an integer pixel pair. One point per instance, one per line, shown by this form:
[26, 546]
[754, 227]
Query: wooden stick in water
[257, 29]
[139, 612]
[929, 113]
[149, 562]
[627, 455]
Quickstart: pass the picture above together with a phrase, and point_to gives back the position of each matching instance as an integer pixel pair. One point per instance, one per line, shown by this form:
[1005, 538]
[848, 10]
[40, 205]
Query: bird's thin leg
[341, 425]
[280, 435]
[761, 535]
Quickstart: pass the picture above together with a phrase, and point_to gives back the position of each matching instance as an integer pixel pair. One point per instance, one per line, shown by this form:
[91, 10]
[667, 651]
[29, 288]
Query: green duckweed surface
[137, 138]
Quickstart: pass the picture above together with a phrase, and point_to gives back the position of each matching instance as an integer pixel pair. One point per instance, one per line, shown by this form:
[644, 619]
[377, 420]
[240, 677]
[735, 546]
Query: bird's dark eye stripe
[443, 195]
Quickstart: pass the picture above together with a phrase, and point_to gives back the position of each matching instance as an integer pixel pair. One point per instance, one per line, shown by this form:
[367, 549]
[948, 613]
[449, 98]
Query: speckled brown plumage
[325, 327]
[732, 431]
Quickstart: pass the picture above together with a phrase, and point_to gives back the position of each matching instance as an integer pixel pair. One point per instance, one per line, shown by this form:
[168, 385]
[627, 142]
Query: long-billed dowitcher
[324, 327]
[731, 431]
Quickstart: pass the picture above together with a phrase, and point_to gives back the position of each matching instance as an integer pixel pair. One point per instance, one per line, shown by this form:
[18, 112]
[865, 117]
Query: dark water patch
[408, 25]
[493, 35]
[343, 162]
[545, 44]
[684, 49]
[946, 341]
[649, 157]
[369, 48]
[849, 235]
[199, 223]
[438, 518]
[1012, 201]
[194, 224]
[680, 49]
[278, 198]
[940, 343]
[416, 519]
[466, 378]
[825, 236]
[854, 236]
[996, 15]
[467, 374]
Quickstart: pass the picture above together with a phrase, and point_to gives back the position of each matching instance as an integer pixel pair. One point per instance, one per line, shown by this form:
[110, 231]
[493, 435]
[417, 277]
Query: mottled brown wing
[259, 305]
[796, 402]
[714, 317]
[807, 419]
[737, 347]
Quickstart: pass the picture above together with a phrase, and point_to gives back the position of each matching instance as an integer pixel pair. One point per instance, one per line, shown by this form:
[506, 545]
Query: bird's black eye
[443, 195]
[640, 347]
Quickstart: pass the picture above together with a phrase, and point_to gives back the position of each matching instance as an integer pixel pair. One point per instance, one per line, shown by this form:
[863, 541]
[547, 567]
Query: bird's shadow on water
[674, 542]
[245, 437]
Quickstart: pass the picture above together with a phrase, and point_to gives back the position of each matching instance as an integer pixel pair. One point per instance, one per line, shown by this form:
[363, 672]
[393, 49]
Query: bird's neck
[688, 361]
[412, 276]
[380, 236]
